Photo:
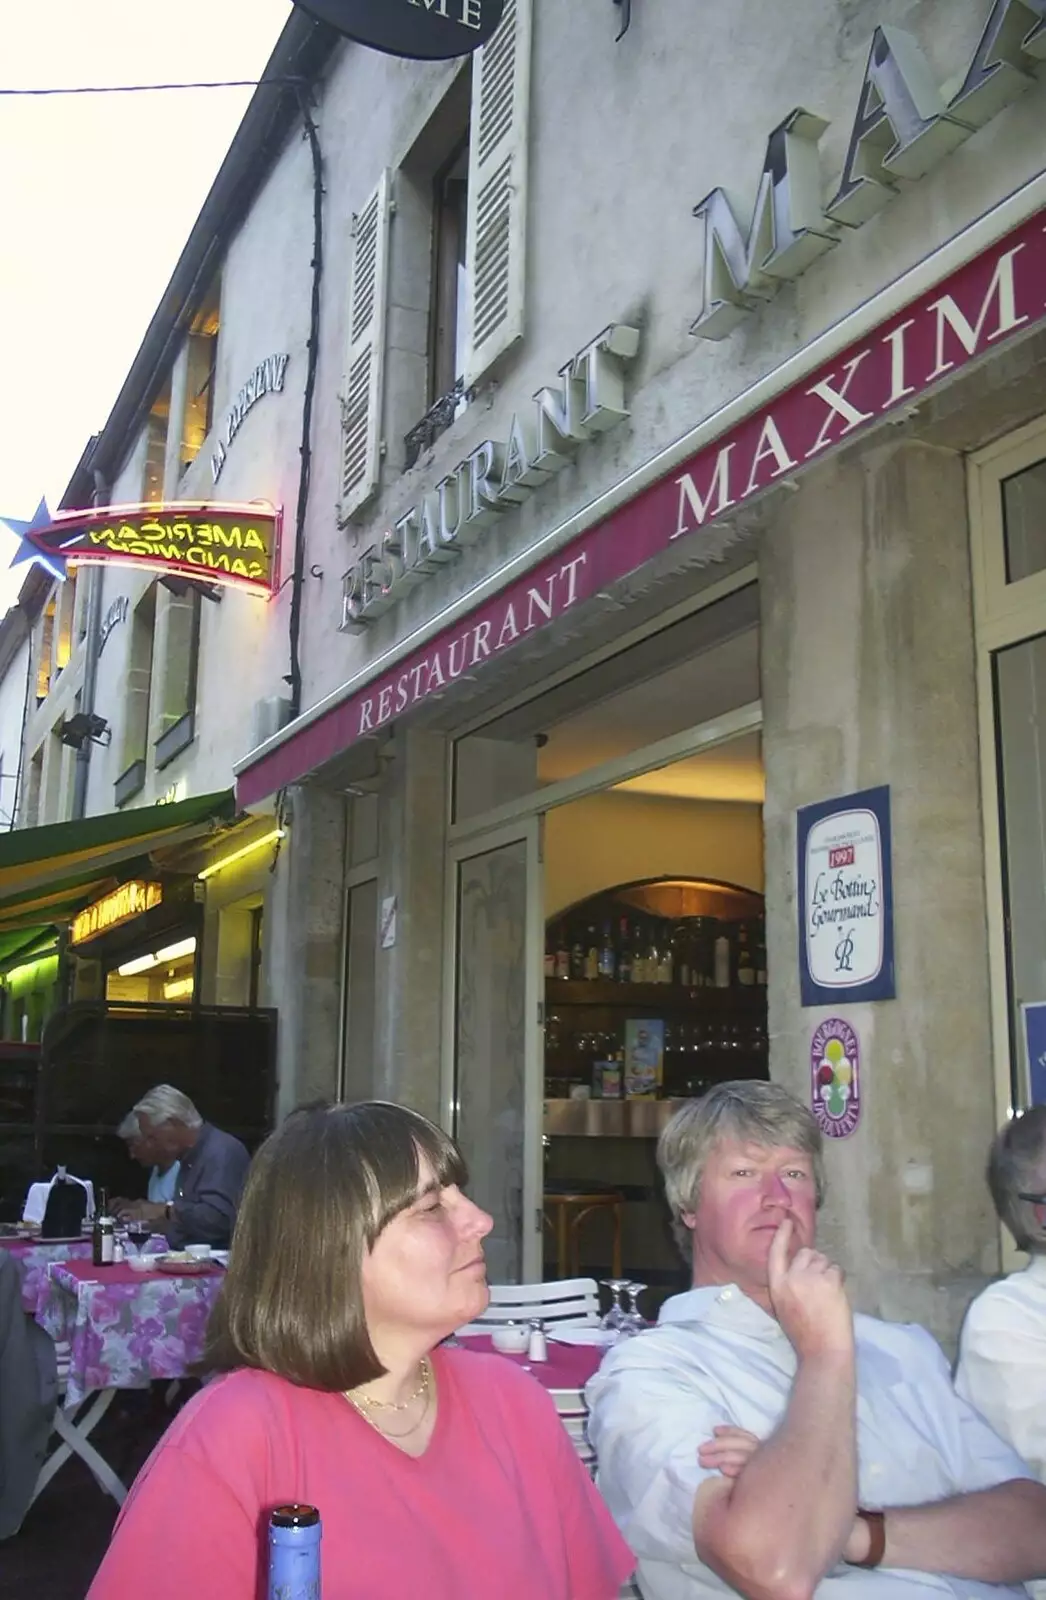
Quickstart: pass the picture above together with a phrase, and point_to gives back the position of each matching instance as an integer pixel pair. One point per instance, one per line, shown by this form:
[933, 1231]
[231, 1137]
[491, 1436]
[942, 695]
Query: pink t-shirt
[499, 1504]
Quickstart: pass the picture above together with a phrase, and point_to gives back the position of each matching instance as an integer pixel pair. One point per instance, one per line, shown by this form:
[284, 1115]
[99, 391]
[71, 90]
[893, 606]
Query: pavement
[60, 1546]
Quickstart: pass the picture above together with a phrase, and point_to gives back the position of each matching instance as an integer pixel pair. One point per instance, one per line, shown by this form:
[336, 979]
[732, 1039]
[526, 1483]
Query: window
[200, 366]
[447, 343]
[461, 204]
[156, 446]
[45, 649]
[137, 695]
[66, 620]
[178, 641]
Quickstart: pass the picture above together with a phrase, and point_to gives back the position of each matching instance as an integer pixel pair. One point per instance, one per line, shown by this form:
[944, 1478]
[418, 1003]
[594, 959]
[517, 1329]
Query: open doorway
[606, 939]
[655, 989]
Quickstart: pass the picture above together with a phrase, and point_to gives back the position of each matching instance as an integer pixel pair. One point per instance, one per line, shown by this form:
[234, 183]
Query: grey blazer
[28, 1395]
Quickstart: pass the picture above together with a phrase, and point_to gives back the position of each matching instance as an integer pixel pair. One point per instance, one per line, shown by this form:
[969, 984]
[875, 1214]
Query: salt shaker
[537, 1349]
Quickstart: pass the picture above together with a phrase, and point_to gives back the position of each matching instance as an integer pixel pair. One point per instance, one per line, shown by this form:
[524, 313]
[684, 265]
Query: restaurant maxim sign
[902, 128]
[494, 477]
[991, 301]
[423, 30]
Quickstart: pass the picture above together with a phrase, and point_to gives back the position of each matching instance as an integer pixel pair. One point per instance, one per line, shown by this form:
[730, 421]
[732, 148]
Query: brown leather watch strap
[876, 1523]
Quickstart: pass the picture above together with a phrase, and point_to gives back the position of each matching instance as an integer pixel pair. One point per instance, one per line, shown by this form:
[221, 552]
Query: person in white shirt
[1002, 1349]
[763, 1439]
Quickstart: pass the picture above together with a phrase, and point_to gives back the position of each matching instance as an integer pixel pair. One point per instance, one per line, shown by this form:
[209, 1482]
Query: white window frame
[1005, 614]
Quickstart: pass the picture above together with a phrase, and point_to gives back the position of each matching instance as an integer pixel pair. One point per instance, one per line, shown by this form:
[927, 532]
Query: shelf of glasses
[650, 997]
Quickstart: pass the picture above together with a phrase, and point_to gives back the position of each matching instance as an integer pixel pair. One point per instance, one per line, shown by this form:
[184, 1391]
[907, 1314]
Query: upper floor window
[45, 648]
[156, 446]
[201, 366]
[449, 300]
[463, 210]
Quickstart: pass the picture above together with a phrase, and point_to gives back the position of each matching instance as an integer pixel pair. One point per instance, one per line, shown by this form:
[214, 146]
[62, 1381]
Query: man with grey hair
[213, 1166]
[163, 1175]
[1002, 1351]
[765, 1441]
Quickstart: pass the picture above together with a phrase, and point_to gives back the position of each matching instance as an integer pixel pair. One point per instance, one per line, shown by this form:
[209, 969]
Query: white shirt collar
[1036, 1268]
[721, 1305]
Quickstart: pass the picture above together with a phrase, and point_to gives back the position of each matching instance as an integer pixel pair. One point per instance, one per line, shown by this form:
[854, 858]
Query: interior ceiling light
[185, 947]
[238, 855]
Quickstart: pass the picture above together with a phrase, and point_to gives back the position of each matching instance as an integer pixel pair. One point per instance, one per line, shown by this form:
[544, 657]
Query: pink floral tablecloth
[34, 1258]
[125, 1328]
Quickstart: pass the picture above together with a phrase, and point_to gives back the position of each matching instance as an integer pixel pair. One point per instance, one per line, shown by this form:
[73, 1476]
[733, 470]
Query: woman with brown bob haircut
[436, 1470]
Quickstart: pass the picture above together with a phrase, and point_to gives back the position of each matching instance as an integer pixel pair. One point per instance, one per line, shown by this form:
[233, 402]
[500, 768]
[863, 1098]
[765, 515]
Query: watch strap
[875, 1522]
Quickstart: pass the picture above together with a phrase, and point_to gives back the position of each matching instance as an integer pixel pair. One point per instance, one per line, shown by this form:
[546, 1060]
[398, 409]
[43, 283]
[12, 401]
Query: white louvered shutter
[364, 370]
[495, 251]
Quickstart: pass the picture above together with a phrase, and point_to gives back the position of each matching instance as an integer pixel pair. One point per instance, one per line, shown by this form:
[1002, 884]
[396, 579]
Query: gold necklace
[394, 1436]
[393, 1405]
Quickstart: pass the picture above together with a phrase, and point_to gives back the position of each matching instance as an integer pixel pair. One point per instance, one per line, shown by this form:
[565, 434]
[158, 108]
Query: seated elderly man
[163, 1175]
[213, 1166]
[762, 1438]
[1002, 1352]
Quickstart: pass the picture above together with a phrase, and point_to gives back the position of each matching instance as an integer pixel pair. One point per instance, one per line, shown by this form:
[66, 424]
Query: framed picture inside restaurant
[846, 949]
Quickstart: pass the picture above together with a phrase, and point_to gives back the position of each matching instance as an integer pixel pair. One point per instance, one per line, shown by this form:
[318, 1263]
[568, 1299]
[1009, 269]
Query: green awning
[48, 873]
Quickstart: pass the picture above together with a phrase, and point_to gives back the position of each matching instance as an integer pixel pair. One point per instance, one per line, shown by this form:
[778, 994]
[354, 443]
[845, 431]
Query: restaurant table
[568, 1368]
[35, 1255]
[122, 1329]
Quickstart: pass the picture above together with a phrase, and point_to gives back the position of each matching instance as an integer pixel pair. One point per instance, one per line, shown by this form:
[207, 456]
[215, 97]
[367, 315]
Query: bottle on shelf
[639, 960]
[624, 954]
[550, 956]
[745, 964]
[666, 955]
[592, 954]
[577, 956]
[607, 955]
[562, 954]
[721, 961]
[294, 1553]
[760, 959]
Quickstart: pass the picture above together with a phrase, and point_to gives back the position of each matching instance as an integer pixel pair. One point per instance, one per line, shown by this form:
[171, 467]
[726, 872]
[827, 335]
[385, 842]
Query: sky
[98, 194]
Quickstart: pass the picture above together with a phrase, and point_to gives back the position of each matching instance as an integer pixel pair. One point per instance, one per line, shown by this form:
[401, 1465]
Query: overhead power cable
[156, 88]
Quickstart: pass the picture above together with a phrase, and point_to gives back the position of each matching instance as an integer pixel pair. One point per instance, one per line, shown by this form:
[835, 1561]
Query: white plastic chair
[564, 1303]
[73, 1428]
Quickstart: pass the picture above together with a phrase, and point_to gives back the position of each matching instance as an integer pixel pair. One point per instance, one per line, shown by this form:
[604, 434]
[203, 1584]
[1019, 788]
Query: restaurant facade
[648, 691]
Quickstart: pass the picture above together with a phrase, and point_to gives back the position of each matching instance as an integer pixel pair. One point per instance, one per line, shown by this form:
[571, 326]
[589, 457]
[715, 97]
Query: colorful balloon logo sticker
[835, 1078]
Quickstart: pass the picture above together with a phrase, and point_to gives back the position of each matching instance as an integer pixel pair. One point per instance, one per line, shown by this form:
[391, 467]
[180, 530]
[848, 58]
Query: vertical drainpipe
[94, 620]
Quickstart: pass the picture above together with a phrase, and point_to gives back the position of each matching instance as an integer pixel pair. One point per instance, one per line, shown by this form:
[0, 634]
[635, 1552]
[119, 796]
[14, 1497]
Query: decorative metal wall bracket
[436, 420]
[626, 17]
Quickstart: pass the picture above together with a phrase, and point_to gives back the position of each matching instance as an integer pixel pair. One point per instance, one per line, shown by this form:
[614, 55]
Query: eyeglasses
[1035, 1199]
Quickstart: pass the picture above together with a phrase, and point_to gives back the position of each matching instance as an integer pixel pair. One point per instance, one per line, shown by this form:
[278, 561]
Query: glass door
[492, 1046]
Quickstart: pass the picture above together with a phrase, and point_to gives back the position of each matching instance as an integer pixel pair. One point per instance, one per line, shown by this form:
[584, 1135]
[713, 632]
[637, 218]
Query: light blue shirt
[163, 1186]
[717, 1357]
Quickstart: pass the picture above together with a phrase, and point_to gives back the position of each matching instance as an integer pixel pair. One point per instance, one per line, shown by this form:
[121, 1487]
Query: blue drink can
[294, 1553]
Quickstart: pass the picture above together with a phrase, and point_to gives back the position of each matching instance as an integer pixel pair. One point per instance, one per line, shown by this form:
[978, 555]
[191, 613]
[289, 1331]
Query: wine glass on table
[633, 1320]
[614, 1320]
[138, 1233]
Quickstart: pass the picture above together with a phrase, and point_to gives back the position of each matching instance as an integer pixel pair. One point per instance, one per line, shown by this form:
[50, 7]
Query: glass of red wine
[139, 1234]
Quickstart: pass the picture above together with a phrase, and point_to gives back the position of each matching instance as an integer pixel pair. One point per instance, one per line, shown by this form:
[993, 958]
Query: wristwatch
[876, 1524]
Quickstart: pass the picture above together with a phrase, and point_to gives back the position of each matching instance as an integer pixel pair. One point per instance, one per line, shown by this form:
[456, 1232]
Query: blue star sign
[28, 551]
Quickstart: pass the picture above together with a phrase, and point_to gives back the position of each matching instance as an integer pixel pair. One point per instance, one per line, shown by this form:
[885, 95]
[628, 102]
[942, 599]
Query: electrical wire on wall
[313, 348]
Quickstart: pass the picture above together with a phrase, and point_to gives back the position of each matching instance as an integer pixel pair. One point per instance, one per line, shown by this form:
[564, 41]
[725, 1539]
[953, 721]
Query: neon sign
[129, 900]
[231, 545]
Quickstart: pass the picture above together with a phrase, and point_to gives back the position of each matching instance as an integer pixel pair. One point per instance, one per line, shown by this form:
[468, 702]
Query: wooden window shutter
[495, 249]
[361, 401]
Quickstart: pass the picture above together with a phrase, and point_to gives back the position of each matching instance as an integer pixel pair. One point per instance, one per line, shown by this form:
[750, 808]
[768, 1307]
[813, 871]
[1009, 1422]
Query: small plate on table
[182, 1266]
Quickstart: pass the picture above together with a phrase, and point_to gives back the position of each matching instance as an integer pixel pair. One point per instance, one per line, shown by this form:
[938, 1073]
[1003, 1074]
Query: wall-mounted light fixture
[237, 855]
[171, 952]
[76, 730]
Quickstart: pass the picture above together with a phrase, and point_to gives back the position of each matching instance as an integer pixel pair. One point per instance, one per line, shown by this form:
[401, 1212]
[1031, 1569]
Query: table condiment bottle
[537, 1349]
[103, 1242]
[294, 1553]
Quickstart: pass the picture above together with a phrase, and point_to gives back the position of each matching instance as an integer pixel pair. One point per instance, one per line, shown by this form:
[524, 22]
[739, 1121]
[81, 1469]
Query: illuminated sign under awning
[129, 900]
[233, 545]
